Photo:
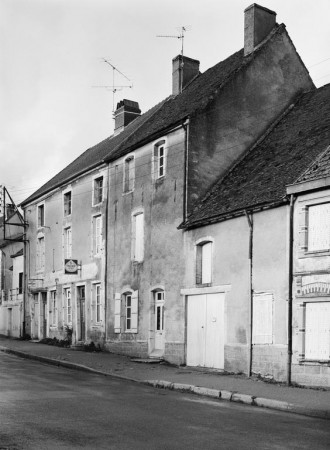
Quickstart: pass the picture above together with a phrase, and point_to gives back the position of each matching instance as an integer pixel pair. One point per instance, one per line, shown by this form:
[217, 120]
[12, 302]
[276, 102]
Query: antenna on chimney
[181, 36]
[114, 88]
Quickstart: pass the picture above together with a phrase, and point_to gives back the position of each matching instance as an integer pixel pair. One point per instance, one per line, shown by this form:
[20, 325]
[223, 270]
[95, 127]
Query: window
[319, 227]
[159, 310]
[262, 324]
[138, 237]
[129, 169]
[68, 305]
[67, 204]
[159, 160]
[204, 263]
[97, 235]
[40, 253]
[41, 215]
[98, 302]
[20, 283]
[53, 302]
[317, 331]
[98, 190]
[128, 298]
[68, 243]
[130, 319]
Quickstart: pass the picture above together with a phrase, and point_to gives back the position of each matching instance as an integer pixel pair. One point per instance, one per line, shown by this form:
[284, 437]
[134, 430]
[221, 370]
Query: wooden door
[159, 321]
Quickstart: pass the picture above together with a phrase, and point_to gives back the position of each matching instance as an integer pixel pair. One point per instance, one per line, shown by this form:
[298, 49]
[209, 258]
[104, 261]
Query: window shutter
[317, 341]
[319, 227]
[117, 312]
[207, 263]
[134, 311]
[262, 319]
[198, 264]
[139, 237]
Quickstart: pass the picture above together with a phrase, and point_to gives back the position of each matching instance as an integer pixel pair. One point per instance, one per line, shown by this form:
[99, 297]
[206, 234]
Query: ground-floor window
[317, 331]
[53, 302]
[68, 305]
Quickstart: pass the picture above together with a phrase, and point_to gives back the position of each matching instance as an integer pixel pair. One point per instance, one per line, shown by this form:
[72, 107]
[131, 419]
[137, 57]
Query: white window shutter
[207, 263]
[117, 312]
[319, 227]
[139, 237]
[262, 319]
[134, 311]
[317, 330]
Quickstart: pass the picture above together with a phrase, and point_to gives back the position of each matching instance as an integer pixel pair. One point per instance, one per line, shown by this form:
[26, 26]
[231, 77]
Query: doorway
[36, 317]
[82, 319]
[44, 314]
[205, 330]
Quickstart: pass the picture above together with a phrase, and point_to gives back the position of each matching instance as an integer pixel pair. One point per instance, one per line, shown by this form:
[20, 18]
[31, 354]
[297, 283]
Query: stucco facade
[68, 224]
[231, 275]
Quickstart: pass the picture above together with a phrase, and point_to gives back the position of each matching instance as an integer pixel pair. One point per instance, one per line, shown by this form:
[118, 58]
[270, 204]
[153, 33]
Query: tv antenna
[181, 36]
[114, 88]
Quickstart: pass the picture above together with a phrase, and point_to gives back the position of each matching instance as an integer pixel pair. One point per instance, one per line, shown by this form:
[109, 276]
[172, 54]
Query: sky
[52, 52]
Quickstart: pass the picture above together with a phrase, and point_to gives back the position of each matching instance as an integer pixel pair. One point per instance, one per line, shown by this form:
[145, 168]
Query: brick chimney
[126, 112]
[258, 23]
[184, 69]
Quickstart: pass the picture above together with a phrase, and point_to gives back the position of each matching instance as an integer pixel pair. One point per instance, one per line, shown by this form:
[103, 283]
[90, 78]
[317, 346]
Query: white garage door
[205, 330]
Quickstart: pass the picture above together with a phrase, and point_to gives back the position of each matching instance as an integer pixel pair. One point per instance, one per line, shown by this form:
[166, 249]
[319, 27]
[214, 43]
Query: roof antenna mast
[181, 36]
[114, 88]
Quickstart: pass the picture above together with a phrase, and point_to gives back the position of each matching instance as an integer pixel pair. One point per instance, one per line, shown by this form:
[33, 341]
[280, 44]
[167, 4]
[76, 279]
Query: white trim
[96, 282]
[157, 287]
[204, 239]
[206, 290]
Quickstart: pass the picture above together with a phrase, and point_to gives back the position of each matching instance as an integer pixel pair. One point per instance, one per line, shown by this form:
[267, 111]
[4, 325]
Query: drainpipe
[250, 222]
[106, 257]
[185, 185]
[290, 280]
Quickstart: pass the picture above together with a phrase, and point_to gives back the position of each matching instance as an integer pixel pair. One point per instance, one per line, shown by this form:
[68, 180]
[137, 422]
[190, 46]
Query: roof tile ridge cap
[157, 107]
[245, 155]
[315, 161]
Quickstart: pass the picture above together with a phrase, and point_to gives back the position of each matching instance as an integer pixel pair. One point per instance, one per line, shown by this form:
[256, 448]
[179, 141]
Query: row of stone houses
[199, 231]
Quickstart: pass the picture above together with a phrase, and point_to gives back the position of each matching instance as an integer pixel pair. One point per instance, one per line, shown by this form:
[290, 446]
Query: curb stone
[188, 388]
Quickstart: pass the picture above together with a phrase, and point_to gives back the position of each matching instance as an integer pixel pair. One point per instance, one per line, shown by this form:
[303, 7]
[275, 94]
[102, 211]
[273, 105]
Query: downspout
[106, 258]
[290, 280]
[185, 183]
[250, 222]
[24, 277]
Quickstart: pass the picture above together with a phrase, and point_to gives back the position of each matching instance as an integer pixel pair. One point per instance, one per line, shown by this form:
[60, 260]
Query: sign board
[71, 266]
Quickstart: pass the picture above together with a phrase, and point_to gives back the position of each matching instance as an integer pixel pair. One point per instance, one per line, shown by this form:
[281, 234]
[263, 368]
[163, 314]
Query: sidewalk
[238, 388]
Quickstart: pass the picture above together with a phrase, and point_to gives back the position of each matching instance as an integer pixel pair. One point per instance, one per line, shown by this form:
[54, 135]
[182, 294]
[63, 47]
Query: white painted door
[159, 321]
[205, 330]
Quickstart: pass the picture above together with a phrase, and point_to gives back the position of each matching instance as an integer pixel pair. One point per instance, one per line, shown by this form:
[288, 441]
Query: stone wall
[137, 349]
[270, 361]
[174, 352]
[311, 374]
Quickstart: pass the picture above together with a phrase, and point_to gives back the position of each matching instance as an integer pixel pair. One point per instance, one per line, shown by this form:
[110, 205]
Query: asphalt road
[45, 407]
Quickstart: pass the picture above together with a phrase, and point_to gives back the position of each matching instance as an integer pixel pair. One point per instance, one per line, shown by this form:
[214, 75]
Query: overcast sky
[52, 51]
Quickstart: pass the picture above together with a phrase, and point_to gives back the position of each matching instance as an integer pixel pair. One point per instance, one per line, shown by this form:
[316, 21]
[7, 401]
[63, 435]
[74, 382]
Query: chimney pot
[258, 23]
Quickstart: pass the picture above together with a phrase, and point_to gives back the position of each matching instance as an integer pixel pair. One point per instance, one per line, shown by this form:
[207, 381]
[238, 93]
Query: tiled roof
[261, 177]
[161, 117]
[318, 169]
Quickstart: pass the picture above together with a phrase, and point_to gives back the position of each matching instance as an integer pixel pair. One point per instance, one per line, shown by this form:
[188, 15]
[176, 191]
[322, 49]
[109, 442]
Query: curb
[241, 398]
[187, 388]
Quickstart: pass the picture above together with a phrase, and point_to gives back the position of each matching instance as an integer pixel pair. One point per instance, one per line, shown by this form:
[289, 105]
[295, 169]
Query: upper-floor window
[318, 227]
[41, 215]
[138, 237]
[159, 160]
[98, 190]
[129, 174]
[204, 263]
[67, 204]
[68, 242]
[97, 235]
[40, 253]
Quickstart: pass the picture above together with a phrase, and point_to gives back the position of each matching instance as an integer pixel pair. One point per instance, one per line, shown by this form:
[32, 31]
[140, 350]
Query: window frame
[68, 242]
[200, 262]
[68, 302]
[98, 303]
[129, 174]
[128, 309]
[67, 203]
[137, 253]
[156, 167]
[95, 250]
[41, 250]
[53, 302]
[304, 309]
[20, 282]
[98, 192]
[41, 217]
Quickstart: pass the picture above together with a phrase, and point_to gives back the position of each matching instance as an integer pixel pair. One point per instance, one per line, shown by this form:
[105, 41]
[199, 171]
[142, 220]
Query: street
[47, 407]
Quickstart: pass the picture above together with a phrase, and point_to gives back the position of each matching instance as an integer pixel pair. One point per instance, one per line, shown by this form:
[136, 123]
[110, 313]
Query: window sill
[201, 285]
[314, 254]
[128, 192]
[315, 361]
